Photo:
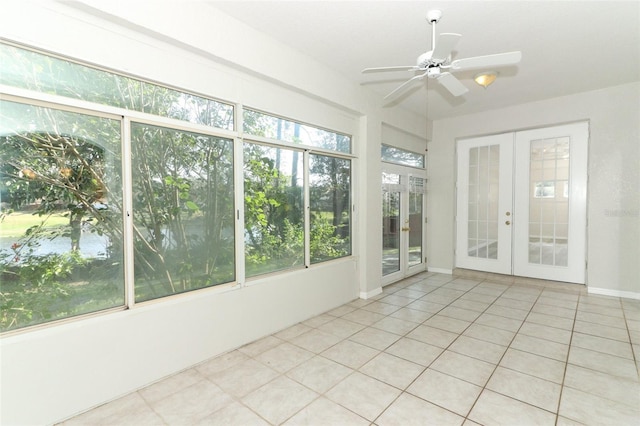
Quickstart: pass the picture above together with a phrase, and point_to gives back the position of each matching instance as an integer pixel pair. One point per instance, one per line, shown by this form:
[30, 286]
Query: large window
[183, 211]
[273, 209]
[104, 208]
[61, 235]
[401, 156]
[330, 205]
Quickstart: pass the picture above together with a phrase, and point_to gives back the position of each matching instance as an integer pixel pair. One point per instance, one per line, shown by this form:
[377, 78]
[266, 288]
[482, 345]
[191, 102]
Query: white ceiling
[567, 46]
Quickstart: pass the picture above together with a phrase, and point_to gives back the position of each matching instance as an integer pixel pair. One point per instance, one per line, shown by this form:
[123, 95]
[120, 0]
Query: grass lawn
[15, 224]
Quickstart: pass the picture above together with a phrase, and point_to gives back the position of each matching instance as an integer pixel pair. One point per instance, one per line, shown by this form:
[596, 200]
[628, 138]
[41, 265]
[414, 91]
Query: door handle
[406, 229]
[508, 222]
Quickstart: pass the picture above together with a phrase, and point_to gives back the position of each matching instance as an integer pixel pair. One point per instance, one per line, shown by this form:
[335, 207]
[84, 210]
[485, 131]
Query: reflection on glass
[482, 226]
[261, 124]
[329, 201]
[401, 156]
[273, 209]
[61, 228]
[183, 211]
[549, 202]
[390, 223]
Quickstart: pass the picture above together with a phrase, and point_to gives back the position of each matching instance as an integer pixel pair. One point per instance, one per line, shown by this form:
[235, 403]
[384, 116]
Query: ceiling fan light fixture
[485, 79]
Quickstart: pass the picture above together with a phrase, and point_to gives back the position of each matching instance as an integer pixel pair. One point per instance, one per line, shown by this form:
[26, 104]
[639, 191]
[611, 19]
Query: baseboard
[369, 294]
[614, 293]
[440, 270]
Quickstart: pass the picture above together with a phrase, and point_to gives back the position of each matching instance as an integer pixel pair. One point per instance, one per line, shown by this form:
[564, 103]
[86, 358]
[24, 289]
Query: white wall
[55, 372]
[614, 178]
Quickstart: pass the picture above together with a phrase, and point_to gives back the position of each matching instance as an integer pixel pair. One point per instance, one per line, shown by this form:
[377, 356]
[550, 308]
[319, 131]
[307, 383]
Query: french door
[521, 203]
[403, 218]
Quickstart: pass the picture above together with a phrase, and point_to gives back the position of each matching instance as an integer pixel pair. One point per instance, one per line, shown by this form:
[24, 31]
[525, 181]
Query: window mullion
[238, 173]
[127, 214]
[307, 212]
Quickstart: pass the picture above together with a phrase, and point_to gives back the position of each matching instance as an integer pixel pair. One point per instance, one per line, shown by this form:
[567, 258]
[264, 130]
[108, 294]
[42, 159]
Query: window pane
[390, 231]
[183, 211]
[400, 156]
[330, 200]
[259, 124]
[35, 71]
[61, 220]
[273, 209]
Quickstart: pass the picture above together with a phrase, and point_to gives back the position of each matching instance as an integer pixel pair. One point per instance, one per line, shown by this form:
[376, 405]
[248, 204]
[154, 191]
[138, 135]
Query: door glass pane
[61, 227]
[416, 194]
[549, 201]
[482, 226]
[273, 209]
[390, 223]
[183, 211]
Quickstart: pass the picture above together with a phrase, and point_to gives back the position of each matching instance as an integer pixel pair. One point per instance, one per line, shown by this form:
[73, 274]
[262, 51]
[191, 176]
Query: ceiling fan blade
[405, 86]
[445, 44]
[385, 69]
[452, 84]
[496, 60]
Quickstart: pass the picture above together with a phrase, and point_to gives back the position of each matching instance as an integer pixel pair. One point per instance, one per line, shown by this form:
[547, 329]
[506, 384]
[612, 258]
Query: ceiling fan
[437, 63]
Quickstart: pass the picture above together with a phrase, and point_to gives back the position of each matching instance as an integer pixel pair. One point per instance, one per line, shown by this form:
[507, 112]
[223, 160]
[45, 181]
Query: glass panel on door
[549, 201]
[416, 194]
[390, 223]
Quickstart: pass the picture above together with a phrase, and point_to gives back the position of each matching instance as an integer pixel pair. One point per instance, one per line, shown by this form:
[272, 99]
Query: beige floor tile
[315, 340]
[381, 308]
[259, 346]
[284, 357]
[395, 299]
[423, 305]
[318, 320]
[341, 310]
[463, 367]
[233, 414]
[412, 315]
[496, 321]
[350, 354]
[600, 344]
[479, 297]
[408, 410]
[446, 391]
[395, 325]
[433, 336]
[603, 310]
[601, 330]
[602, 362]
[523, 387]
[489, 334]
[448, 324]
[363, 395]
[412, 294]
[563, 421]
[243, 378]
[554, 301]
[192, 404]
[170, 385]
[459, 313]
[414, 351]
[541, 347]
[392, 370]
[495, 409]
[279, 399]
[503, 311]
[534, 365]
[625, 391]
[129, 410]
[375, 338]
[479, 349]
[550, 320]
[341, 327]
[359, 303]
[601, 319]
[592, 410]
[554, 310]
[364, 317]
[221, 362]
[319, 373]
[325, 412]
[554, 334]
[523, 305]
[293, 331]
[470, 305]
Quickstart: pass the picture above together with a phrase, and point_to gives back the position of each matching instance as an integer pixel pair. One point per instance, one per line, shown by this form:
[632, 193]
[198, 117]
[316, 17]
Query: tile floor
[430, 350]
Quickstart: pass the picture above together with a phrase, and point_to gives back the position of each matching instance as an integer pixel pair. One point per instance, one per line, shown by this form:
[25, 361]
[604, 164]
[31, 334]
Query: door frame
[405, 269]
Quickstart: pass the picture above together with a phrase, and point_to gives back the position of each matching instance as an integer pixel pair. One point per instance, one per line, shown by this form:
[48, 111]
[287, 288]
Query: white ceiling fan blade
[452, 84]
[385, 69]
[405, 86]
[496, 60]
[445, 44]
